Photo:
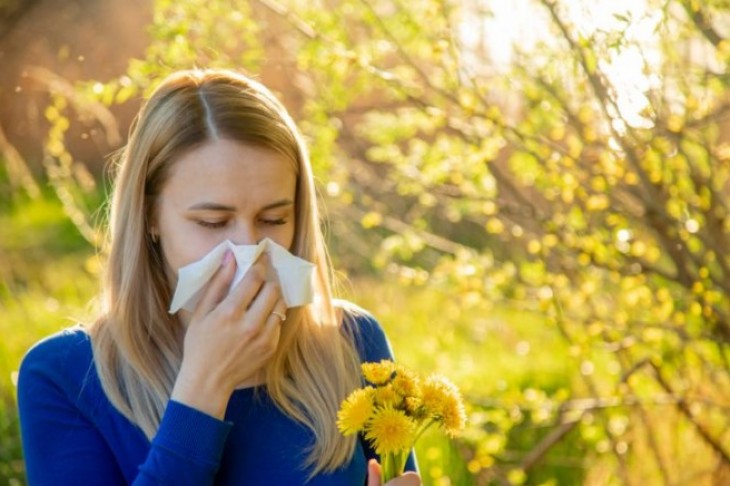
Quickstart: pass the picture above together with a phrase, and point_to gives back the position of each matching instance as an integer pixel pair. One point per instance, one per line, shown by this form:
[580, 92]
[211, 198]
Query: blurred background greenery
[532, 196]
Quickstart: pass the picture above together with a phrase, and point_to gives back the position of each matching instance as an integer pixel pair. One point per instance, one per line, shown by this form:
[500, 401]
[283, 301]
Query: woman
[241, 390]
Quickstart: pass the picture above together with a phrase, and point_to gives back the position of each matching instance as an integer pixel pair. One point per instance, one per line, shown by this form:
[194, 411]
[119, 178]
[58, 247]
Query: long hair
[137, 345]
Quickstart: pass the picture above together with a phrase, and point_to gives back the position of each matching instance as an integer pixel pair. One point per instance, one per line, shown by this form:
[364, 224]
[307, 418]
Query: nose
[244, 234]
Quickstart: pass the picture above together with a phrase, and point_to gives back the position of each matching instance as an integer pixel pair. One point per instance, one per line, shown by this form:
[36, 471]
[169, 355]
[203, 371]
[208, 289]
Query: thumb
[373, 473]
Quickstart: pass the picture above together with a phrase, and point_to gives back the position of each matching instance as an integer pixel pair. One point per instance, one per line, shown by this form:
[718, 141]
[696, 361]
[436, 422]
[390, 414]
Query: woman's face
[224, 190]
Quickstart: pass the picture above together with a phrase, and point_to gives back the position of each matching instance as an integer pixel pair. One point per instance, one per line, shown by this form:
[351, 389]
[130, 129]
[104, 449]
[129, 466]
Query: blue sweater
[73, 435]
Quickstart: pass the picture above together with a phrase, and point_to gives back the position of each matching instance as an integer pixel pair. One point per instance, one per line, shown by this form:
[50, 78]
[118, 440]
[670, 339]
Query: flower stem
[387, 467]
[394, 464]
[423, 429]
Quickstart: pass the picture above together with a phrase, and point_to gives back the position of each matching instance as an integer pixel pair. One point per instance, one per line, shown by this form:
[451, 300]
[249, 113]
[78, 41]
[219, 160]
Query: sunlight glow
[497, 30]
[624, 235]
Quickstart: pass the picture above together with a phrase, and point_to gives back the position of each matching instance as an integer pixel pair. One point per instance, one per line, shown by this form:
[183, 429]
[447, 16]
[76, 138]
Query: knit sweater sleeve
[66, 440]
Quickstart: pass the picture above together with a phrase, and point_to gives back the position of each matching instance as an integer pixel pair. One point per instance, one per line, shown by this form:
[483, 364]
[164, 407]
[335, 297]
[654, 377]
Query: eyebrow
[211, 206]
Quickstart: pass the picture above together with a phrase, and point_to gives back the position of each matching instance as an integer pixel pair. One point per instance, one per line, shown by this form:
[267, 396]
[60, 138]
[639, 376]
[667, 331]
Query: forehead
[223, 170]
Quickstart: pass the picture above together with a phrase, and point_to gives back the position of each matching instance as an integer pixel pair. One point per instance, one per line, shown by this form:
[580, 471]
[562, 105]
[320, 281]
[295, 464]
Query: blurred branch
[18, 172]
[86, 108]
[425, 79]
[397, 226]
[654, 200]
[646, 418]
[683, 407]
[590, 384]
[282, 11]
[653, 197]
[702, 22]
[76, 214]
[562, 102]
[711, 233]
[542, 448]
[8, 22]
[719, 114]
[60, 169]
[602, 403]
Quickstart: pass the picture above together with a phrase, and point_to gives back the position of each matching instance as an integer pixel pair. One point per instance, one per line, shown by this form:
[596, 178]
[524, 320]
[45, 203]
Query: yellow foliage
[371, 220]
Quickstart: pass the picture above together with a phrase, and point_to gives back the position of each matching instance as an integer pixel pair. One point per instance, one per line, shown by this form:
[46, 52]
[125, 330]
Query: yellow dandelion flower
[432, 396]
[355, 411]
[406, 382]
[437, 393]
[453, 415]
[386, 395]
[413, 407]
[390, 431]
[378, 373]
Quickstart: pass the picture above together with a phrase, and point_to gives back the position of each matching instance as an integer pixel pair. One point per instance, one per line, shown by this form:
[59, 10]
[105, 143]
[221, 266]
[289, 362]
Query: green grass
[47, 275]
[435, 332]
[25, 317]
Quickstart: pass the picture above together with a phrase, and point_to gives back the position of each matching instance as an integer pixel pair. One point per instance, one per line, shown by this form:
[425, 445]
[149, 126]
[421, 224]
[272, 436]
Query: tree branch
[683, 407]
[18, 172]
[702, 22]
[94, 110]
[547, 442]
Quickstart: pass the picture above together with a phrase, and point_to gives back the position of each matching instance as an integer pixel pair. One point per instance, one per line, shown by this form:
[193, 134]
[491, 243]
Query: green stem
[394, 464]
[386, 467]
[400, 462]
[422, 430]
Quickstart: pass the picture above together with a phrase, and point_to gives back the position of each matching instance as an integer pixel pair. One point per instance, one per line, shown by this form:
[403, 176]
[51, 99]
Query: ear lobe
[151, 219]
[154, 233]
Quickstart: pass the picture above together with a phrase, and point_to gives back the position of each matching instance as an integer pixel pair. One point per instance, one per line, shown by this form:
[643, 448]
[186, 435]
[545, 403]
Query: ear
[152, 226]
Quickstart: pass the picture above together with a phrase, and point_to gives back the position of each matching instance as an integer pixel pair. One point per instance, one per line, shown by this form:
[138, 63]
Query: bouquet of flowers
[396, 407]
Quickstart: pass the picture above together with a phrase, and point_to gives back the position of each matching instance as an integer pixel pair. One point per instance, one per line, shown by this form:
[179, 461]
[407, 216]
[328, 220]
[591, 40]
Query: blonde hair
[137, 345]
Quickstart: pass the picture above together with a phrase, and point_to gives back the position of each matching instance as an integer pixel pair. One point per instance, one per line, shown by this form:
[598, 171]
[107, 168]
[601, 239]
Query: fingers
[278, 315]
[271, 274]
[279, 312]
[406, 479]
[219, 285]
[374, 473]
[257, 295]
[266, 303]
[375, 476]
[245, 291]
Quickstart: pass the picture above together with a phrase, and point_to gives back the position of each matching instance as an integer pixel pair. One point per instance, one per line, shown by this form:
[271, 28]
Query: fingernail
[227, 257]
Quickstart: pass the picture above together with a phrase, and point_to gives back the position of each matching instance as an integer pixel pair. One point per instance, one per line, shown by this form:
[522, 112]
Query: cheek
[178, 253]
[181, 245]
[283, 236]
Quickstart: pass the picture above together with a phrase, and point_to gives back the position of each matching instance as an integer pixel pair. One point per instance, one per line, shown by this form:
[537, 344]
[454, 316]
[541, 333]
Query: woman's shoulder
[62, 354]
[366, 332]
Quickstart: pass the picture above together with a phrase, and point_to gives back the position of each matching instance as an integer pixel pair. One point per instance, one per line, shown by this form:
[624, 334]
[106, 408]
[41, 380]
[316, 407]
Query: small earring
[155, 237]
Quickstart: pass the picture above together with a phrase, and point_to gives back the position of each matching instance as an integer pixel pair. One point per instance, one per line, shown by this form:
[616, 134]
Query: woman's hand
[375, 477]
[230, 338]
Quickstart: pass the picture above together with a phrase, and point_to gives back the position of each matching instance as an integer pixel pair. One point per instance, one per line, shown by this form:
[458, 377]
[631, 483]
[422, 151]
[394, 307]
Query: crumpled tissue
[294, 273]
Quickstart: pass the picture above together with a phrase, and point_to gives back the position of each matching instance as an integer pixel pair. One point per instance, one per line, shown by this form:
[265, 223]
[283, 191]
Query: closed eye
[212, 224]
[274, 222]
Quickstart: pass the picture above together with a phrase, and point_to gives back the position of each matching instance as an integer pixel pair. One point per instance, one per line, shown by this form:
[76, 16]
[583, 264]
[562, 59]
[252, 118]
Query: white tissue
[294, 273]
